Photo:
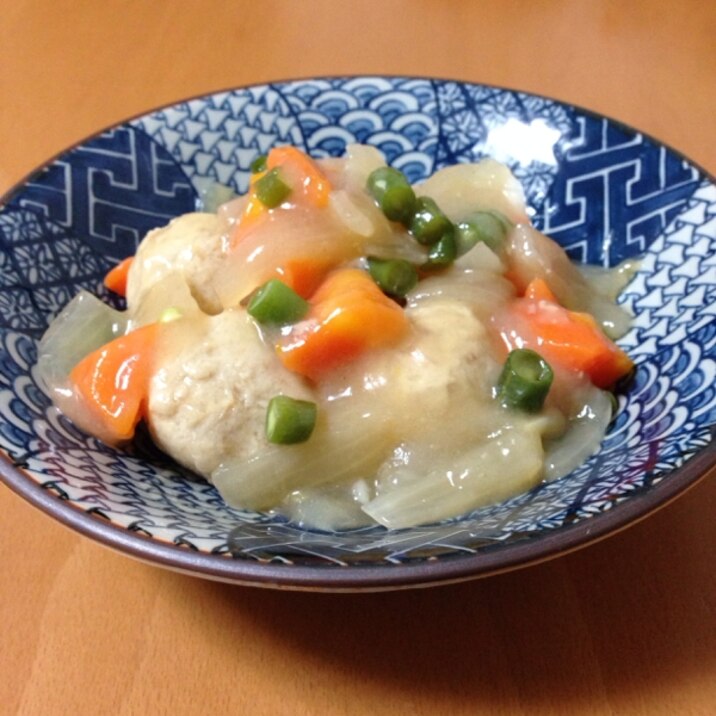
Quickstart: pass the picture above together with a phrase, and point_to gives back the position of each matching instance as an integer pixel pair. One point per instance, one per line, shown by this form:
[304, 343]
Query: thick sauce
[409, 430]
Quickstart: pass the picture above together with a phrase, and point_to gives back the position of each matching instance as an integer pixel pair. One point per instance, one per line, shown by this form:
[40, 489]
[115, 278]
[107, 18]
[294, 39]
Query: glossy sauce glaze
[409, 425]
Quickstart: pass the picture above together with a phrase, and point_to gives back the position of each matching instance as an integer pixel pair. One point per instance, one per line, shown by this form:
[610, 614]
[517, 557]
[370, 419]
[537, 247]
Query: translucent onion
[533, 255]
[463, 188]
[609, 282]
[84, 325]
[590, 417]
[483, 291]
[337, 451]
[350, 214]
[360, 216]
[171, 291]
[483, 258]
[360, 161]
[212, 194]
[331, 508]
[509, 463]
[268, 244]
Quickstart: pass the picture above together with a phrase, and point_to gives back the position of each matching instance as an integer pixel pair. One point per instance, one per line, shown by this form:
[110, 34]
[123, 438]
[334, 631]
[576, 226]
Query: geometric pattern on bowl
[604, 191]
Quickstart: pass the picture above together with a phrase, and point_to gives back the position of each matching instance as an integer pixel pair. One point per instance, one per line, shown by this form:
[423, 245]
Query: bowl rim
[351, 578]
[7, 195]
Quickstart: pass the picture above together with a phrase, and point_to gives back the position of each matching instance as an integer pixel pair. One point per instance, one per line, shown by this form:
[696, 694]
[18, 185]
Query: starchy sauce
[365, 381]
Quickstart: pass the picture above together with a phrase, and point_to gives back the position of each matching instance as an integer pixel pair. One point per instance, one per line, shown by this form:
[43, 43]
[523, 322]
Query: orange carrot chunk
[571, 339]
[307, 181]
[113, 382]
[303, 173]
[538, 290]
[349, 315]
[304, 275]
[116, 278]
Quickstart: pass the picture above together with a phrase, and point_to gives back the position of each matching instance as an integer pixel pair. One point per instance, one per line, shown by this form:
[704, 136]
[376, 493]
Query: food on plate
[345, 348]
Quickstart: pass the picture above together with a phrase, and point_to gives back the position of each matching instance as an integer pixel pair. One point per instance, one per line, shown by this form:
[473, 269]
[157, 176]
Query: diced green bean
[429, 224]
[443, 253]
[394, 276]
[276, 303]
[488, 227]
[393, 193]
[271, 190]
[259, 164]
[170, 314]
[290, 421]
[525, 381]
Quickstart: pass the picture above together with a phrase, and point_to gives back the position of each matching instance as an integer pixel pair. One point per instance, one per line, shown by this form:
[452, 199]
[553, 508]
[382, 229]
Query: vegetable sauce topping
[344, 348]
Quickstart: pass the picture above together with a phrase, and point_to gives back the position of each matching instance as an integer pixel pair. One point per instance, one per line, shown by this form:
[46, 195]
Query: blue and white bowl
[604, 191]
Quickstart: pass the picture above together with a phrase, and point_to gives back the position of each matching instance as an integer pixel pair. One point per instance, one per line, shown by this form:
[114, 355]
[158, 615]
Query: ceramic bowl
[603, 190]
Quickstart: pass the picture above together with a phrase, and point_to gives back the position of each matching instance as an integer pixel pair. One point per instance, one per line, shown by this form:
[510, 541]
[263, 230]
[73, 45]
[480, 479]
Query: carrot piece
[349, 315]
[252, 211]
[304, 176]
[539, 290]
[113, 382]
[304, 275]
[116, 278]
[302, 172]
[571, 339]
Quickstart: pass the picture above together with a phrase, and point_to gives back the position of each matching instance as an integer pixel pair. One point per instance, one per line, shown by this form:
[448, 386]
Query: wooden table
[627, 626]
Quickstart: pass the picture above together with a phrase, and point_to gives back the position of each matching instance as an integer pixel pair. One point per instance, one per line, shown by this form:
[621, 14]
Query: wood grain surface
[627, 626]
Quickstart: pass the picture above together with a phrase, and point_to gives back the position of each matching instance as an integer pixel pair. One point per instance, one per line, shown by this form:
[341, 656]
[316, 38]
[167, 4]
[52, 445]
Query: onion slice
[83, 326]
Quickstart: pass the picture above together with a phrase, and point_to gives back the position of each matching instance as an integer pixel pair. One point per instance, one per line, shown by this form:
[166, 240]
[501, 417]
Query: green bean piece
[395, 277]
[259, 164]
[429, 224]
[275, 303]
[393, 193]
[271, 190]
[443, 253]
[170, 314]
[290, 421]
[525, 381]
[487, 227]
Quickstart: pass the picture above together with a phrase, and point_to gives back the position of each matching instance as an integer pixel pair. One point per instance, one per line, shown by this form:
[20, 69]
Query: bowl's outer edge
[362, 578]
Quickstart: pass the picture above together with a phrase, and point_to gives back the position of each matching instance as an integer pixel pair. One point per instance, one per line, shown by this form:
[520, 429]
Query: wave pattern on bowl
[603, 191]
